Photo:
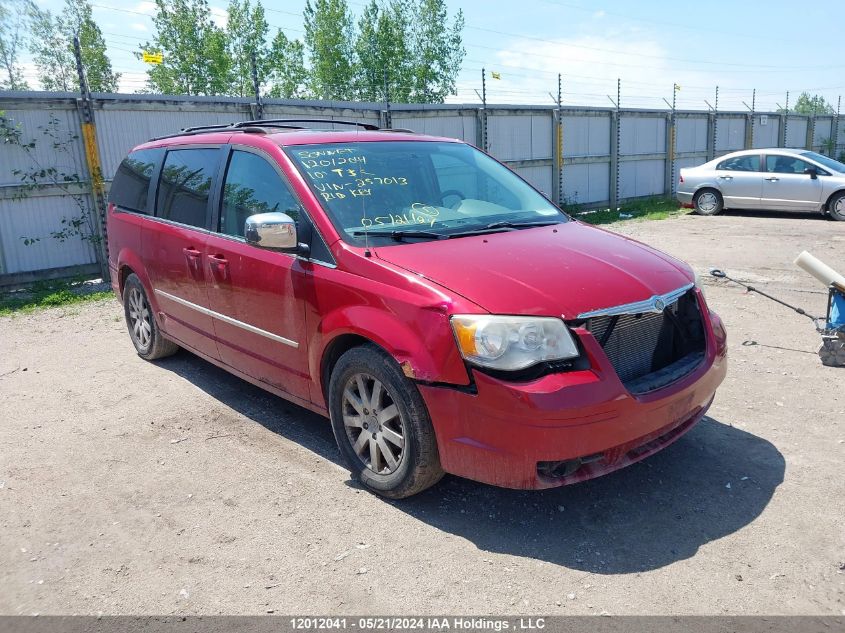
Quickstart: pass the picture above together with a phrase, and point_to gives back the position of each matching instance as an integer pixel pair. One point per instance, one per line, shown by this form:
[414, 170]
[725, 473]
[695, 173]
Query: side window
[786, 165]
[252, 186]
[740, 163]
[185, 185]
[131, 183]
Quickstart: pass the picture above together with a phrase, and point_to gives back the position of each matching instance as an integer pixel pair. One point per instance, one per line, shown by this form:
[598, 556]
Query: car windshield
[835, 165]
[418, 190]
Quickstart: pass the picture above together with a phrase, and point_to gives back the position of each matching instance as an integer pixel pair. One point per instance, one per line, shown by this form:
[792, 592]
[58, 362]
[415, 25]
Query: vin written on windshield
[440, 187]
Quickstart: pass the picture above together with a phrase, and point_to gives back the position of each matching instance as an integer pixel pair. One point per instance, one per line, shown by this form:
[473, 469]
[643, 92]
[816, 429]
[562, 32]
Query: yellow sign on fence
[152, 58]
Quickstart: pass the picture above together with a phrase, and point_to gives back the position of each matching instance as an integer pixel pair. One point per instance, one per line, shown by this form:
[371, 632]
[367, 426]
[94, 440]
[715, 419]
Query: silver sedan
[774, 179]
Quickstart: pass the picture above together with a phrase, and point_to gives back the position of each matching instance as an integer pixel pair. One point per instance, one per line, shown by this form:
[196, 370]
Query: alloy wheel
[373, 424]
[140, 318]
[707, 202]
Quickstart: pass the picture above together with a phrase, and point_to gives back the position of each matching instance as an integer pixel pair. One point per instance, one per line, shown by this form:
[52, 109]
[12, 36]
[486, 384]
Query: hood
[560, 270]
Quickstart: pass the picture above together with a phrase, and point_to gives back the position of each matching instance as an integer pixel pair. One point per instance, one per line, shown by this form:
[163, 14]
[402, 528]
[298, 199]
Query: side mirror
[812, 172]
[275, 231]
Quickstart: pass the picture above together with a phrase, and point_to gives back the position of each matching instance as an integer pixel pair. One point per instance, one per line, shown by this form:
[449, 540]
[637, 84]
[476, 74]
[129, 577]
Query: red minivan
[444, 314]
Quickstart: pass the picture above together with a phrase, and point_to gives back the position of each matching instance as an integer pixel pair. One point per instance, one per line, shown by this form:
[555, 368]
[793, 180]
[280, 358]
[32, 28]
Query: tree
[52, 49]
[287, 76]
[77, 19]
[329, 37]
[194, 50]
[437, 51]
[815, 104]
[14, 22]
[52, 53]
[246, 36]
[382, 48]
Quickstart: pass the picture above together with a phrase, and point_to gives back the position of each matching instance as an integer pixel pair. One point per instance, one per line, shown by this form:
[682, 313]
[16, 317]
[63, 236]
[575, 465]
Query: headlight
[510, 343]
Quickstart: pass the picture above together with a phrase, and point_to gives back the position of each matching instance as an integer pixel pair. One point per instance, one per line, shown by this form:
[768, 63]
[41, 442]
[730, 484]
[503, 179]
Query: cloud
[139, 26]
[598, 15]
[145, 7]
[590, 65]
[220, 16]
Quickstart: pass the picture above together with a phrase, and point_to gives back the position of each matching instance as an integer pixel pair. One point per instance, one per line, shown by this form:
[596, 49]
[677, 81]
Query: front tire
[143, 330]
[381, 425]
[836, 208]
[708, 202]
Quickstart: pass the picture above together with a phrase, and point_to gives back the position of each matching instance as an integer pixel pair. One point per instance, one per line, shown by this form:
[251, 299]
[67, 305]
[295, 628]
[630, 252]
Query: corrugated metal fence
[595, 156]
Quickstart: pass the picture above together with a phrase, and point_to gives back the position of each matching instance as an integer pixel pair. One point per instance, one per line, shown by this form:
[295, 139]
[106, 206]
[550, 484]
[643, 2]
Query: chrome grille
[640, 345]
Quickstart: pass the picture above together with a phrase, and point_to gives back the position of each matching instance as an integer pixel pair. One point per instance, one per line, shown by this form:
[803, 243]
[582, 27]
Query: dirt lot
[171, 487]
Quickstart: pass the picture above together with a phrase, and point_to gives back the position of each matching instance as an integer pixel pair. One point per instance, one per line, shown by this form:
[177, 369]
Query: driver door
[787, 188]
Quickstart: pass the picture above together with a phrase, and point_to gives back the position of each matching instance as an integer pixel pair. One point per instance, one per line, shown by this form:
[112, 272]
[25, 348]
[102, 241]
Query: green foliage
[437, 51]
[195, 53]
[246, 37]
[329, 38]
[382, 47]
[52, 47]
[814, 104]
[47, 294]
[287, 76]
[14, 22]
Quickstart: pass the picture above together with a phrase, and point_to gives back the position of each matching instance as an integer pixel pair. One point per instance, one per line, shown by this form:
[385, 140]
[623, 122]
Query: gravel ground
[129, 487]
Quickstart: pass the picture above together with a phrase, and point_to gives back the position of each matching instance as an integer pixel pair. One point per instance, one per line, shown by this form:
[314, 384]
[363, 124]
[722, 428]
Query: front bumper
[502, 434]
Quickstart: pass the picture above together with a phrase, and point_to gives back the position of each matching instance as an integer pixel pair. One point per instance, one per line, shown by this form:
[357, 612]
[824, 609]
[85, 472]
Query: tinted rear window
[185, 185]
[131, 183]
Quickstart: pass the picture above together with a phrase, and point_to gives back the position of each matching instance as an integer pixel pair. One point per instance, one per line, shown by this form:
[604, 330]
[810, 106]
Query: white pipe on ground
[821, 271]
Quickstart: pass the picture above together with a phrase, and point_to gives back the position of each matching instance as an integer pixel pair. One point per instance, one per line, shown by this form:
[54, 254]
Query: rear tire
[836, 208]
[143, 330]
[381, 425]
[708, 202]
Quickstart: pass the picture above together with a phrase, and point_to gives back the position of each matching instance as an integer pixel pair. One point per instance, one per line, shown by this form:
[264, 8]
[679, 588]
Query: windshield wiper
[400, 235]
[495, 227]
[507, 224]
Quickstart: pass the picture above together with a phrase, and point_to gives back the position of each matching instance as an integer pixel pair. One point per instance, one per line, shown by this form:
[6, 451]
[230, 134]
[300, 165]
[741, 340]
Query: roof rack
[292, 123]
[266, 126]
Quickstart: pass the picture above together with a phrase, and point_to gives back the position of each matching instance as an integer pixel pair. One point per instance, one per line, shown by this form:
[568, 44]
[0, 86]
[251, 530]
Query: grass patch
[49, 294]
[646, 209]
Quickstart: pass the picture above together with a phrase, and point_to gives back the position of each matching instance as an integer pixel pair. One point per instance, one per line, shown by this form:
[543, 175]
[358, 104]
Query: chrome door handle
[726, 177]
[772, 179]
[219, 266]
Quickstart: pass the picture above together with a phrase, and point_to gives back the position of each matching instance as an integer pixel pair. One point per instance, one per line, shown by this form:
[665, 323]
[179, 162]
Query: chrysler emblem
[659, 305]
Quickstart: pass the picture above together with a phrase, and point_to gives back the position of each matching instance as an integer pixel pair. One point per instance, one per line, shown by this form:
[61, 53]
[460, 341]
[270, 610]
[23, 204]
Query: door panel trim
[229, 320]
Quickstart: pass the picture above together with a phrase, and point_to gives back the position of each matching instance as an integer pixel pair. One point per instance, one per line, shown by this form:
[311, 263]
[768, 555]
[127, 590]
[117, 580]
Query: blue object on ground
[837, 311]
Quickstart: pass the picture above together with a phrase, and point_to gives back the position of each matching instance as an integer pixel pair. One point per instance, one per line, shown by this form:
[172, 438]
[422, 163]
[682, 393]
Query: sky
[648, 46]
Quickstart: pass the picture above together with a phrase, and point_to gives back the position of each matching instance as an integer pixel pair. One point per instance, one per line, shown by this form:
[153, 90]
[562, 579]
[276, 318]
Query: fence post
[95, 172]
[811, 132]
[614, 159]
[711, 135]
[669, 167]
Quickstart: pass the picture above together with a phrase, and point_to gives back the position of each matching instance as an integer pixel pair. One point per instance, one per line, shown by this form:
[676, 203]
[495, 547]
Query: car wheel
[707, 202]
[836, 208]
[381, 424]
[145, 335]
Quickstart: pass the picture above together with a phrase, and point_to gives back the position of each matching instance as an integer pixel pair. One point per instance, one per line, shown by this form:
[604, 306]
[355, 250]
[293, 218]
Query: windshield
[433, 189]
[835, 165]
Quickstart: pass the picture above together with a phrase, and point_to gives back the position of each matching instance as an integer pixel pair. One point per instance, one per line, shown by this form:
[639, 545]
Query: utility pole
[95, 172]
[258, 108]
[672, 142]
[835, 131]
[786, 121]
[388, 121]
[484, 145]
[559, 144]
[616, 135]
